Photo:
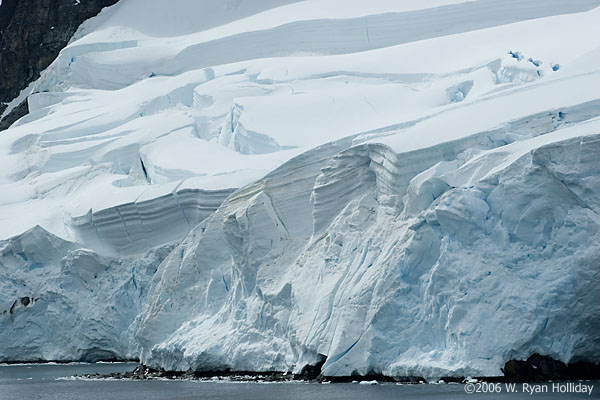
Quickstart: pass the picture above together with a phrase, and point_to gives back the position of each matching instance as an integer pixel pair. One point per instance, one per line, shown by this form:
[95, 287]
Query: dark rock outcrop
[16, 113]
[540, 368]
[311, 372]
[308, 374]
[23, 302]
[32, 33]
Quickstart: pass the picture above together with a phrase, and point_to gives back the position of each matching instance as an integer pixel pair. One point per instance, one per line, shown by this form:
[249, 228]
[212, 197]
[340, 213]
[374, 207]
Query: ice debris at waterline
[385, 188]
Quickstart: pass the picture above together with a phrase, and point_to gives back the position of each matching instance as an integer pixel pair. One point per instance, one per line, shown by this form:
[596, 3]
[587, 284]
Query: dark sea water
[24, 382]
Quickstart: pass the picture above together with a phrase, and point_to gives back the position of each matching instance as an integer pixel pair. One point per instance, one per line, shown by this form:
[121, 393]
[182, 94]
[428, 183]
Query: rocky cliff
[31, 35]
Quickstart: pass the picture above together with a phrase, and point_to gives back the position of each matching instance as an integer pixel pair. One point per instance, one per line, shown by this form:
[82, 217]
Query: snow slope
[401, 187]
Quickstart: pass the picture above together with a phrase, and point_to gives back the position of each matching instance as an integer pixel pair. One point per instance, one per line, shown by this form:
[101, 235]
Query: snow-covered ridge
[406, 188]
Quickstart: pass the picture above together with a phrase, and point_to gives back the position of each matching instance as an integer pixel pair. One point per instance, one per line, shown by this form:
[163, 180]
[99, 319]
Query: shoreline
[591, 372]
[66, 362]
[536, 368]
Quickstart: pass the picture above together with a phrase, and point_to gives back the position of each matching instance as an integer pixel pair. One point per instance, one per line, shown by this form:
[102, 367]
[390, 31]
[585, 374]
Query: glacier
[398, 188]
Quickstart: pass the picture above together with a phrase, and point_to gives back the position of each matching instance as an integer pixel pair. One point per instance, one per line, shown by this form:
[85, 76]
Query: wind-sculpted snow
[406, 188]
[310, 35]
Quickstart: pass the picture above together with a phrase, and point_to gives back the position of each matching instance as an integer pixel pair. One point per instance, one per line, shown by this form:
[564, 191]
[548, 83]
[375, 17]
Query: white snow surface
[406, 188]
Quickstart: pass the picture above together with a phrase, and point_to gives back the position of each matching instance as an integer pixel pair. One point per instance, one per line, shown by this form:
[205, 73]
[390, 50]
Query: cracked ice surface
[392, 185]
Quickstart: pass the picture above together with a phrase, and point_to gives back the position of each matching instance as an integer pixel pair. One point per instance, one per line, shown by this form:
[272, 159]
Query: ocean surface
[25, 382]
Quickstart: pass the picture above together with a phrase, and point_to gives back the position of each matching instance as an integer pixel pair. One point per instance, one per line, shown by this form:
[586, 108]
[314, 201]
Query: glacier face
[458, 281]
[64, 302]
[406, 189]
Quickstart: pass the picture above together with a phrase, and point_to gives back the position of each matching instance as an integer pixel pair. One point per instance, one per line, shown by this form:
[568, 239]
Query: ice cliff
[406, 188]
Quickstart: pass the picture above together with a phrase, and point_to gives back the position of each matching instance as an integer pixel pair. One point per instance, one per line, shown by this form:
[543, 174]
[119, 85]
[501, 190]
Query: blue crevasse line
[365, 253]
[35, 266]
[516, 55]
[537, 63]
[225, 282]
[335, 358]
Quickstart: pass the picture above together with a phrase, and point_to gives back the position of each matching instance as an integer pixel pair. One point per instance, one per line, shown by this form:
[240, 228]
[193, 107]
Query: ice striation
[406, 189]
[134, 227]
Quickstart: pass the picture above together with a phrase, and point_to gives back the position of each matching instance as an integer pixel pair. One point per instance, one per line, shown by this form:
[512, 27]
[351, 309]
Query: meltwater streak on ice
[426, 208]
